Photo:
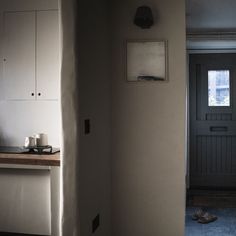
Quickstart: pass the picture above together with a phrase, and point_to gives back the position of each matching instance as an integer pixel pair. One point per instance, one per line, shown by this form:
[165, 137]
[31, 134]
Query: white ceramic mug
[42, 139]
[30, 141]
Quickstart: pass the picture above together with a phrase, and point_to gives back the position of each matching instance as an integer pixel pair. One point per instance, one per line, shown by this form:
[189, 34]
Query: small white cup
[42, 139]
[30, 141]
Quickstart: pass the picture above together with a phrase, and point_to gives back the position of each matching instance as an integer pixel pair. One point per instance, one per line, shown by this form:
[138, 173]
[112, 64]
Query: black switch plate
[87, 126]
[95, 223]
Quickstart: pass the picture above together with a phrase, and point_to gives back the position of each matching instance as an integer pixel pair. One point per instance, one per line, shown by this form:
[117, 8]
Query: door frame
[189, 52]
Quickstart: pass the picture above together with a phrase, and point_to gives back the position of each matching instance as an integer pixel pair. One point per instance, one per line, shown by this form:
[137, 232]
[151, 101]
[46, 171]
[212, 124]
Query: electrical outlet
[95, 223]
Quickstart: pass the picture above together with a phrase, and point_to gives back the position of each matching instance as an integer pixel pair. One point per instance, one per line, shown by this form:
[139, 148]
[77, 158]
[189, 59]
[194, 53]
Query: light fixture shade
[143, 17]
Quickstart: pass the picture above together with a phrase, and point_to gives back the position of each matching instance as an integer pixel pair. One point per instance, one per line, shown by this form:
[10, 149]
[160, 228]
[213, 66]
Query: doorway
[212, 121]
[212, 139]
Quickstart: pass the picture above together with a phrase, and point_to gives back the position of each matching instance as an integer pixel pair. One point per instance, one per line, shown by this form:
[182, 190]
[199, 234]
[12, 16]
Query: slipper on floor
[198, 214]
[207, 218]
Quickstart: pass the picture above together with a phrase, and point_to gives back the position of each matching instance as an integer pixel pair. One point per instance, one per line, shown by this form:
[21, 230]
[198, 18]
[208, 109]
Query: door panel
[25, 201]
[19, 55]
[212, 120]
[47, 64]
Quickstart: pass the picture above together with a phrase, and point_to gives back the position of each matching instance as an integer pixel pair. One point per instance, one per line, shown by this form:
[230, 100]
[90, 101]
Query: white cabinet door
[47, 55]
[19, 55]
[25, 203]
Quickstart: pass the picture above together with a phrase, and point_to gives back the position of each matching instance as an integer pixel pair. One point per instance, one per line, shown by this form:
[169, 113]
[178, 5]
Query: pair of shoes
[203, 217]
[198, 214]
[207, 218]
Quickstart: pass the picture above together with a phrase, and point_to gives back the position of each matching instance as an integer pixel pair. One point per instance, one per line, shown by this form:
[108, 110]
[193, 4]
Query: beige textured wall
[148, 128]
[69, 107]
[94, 90]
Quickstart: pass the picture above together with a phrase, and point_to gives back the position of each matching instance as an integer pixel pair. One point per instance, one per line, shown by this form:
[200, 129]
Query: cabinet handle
[39, 94]
[32, 94]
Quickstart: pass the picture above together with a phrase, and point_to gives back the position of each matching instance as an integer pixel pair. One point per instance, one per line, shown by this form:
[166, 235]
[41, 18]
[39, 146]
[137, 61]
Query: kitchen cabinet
[30, 190]
[31, 55]
[47, 59]
[25, 200]
[19, 55]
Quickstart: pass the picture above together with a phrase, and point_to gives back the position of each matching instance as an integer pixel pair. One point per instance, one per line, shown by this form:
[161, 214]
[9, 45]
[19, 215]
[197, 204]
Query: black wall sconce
[143, 17]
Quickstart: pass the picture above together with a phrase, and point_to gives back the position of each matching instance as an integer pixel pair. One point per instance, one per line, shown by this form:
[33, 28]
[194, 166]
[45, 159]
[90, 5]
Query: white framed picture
[146, 60]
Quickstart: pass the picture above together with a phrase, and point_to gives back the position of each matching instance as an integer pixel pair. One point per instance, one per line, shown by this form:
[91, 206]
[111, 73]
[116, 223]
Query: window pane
[218, 88]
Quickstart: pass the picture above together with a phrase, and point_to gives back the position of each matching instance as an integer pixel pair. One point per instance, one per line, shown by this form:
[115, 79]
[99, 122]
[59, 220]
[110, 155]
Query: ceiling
[211, 24]
[211, 14]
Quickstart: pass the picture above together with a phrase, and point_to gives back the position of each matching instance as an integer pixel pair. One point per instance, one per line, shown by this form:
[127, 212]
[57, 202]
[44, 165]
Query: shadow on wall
[4, 140]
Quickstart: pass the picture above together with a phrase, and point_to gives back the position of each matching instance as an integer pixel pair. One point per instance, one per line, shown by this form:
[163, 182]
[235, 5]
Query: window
[218, 88]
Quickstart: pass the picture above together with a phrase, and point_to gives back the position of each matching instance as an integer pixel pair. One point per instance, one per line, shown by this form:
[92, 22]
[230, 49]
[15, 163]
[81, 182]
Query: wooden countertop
[30, 159]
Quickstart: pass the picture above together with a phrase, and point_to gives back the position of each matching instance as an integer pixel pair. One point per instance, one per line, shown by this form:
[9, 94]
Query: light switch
[87, 126]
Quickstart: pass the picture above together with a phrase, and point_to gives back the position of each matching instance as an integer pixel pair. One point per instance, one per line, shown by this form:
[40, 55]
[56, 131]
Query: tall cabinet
[31, 55]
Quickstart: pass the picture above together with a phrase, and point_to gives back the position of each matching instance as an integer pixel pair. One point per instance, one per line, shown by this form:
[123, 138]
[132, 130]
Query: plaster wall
[148, 127]
[94, 95]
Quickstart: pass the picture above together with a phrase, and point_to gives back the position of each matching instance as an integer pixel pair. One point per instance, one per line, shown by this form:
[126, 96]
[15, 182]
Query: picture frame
[146, 61]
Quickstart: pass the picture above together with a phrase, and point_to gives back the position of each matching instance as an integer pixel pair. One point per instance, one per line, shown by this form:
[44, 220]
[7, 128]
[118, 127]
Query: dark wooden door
[213, 120]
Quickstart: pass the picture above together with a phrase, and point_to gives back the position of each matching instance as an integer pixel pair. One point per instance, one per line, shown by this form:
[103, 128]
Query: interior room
[123, 140]
[211, 44]
[139, 98]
